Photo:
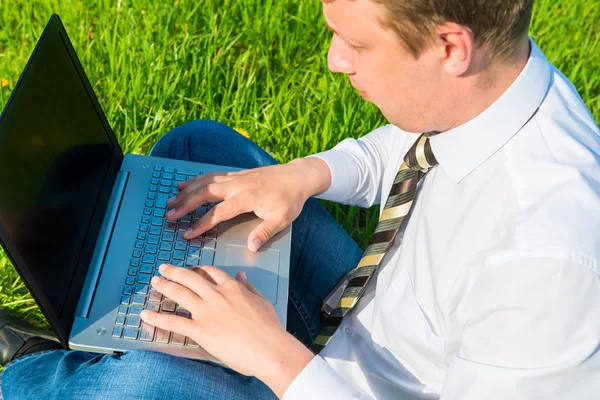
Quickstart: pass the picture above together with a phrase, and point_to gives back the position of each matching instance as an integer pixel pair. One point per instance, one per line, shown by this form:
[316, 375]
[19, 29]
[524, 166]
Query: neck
[483, 85]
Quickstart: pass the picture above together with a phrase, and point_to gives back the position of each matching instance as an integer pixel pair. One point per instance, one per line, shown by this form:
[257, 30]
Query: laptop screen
[55, 156]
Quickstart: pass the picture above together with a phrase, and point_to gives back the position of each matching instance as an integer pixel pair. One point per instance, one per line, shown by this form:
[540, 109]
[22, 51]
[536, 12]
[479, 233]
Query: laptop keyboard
[160, 241]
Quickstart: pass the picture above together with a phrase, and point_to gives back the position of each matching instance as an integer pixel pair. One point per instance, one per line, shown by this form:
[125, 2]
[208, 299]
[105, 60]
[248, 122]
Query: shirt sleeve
[532, 331]
[357, 167]
[318, 381]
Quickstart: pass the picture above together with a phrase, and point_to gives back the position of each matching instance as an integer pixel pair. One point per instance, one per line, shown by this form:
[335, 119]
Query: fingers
[241, 276]
[187, 287]
[169, 322]
[262, 233]
[223, 211]
[196, 196]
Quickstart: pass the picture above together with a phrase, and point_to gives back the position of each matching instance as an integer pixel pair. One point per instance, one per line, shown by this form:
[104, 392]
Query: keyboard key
[165, 182]
[155, 230]
[166, 246]
[169, 170]
[154, 296]
[151, 196]
[178, 339]
[120, 320]
[175, 191]
[133, 322]
[187, 218]
[169, 227]
[210, 244]
[182, 227]
[159, 212]
[196, 242]
[142, 289]
[142, 235]
[156, 221]
[162, 336]
[117, 332]
[168, 306]
[145, 219]
[155, 181]
[139, 244]
[130, 333]
[193, 252]
[138, 299]
[122, 310]
[143, 228]
[149, 203]
[128, 290]
[183, 313]
[177, 263]
[210, 235]
[191, 261]
[164, 255]
[151, 249]
[168, 175]
[164, 189]
[158, 167]
[180, 178]
[192, 343]
[161, 200]
[207, 257]
[167, 236]
[125, 300]
[135, 262]
[147, 333]
[147, 211]
[152, 239]
[149, 259]
[178, 255]
[144, 278]
[147, 268]
[130, 280]
[132, 271]
[186, 171]
[180, 245]
[156, 174]
[135, 310]
[153, 188]
[153, 306]
[136, 253]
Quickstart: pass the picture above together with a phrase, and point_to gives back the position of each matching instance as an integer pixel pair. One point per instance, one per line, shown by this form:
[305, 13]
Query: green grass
[255, 65]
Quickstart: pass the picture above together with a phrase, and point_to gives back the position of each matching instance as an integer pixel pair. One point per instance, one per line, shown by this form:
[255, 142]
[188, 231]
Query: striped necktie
[417, 162]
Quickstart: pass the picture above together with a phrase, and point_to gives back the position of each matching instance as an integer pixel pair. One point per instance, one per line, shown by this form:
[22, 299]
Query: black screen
[55, 155]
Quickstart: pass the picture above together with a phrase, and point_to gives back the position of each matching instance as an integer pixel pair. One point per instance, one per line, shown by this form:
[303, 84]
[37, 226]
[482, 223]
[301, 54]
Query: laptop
[85, 225]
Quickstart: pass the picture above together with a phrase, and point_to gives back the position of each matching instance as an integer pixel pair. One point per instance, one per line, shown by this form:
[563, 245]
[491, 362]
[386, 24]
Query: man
[489, 290]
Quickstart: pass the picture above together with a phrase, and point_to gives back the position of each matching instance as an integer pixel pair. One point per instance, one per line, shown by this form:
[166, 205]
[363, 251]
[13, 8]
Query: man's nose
[338, 57]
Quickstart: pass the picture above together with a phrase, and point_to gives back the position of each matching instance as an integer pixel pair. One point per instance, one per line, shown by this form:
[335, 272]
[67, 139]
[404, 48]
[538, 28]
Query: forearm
[287, 358]
[317, 173]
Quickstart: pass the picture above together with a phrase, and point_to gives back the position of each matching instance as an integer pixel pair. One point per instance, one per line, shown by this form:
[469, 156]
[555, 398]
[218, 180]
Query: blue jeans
[322, 253]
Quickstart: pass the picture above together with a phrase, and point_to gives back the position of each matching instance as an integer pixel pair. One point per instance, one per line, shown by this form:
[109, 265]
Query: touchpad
[261, 268]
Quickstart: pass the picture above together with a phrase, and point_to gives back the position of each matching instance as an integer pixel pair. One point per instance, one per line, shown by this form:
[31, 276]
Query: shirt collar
[460, 150]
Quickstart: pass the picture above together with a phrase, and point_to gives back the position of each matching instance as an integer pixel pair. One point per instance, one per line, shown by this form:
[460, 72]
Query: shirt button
[348, 331]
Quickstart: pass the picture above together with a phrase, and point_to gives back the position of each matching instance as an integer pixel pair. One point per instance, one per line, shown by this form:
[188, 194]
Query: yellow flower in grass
[3, 82]
[242, 132]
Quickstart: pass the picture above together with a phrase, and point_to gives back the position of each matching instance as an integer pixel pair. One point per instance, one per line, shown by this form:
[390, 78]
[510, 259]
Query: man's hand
[276, 194]
[232, 321]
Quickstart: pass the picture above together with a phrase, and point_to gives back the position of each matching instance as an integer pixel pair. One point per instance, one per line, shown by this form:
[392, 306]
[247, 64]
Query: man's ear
[455, 43]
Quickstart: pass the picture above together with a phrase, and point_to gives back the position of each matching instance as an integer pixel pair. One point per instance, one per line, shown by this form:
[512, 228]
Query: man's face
[408, 92]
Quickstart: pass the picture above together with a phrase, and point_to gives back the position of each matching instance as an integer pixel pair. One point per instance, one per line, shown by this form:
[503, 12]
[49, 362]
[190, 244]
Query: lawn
[259, 66]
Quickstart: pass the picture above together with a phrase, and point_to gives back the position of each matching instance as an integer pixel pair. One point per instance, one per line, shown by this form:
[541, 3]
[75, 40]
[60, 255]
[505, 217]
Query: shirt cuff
[318, 381]
[339, 164]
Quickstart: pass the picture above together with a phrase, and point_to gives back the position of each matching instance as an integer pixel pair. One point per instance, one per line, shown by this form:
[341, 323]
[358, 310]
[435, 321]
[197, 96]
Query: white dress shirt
[495, 290]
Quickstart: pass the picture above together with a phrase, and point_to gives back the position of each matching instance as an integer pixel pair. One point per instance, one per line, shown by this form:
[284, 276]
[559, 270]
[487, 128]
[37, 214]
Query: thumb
[261, 234]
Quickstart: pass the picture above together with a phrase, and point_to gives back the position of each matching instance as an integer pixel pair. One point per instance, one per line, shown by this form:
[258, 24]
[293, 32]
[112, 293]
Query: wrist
[315, 174]
[287, 358]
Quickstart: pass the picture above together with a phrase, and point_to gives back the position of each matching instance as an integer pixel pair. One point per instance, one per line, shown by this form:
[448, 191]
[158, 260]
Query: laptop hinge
[97, 262]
